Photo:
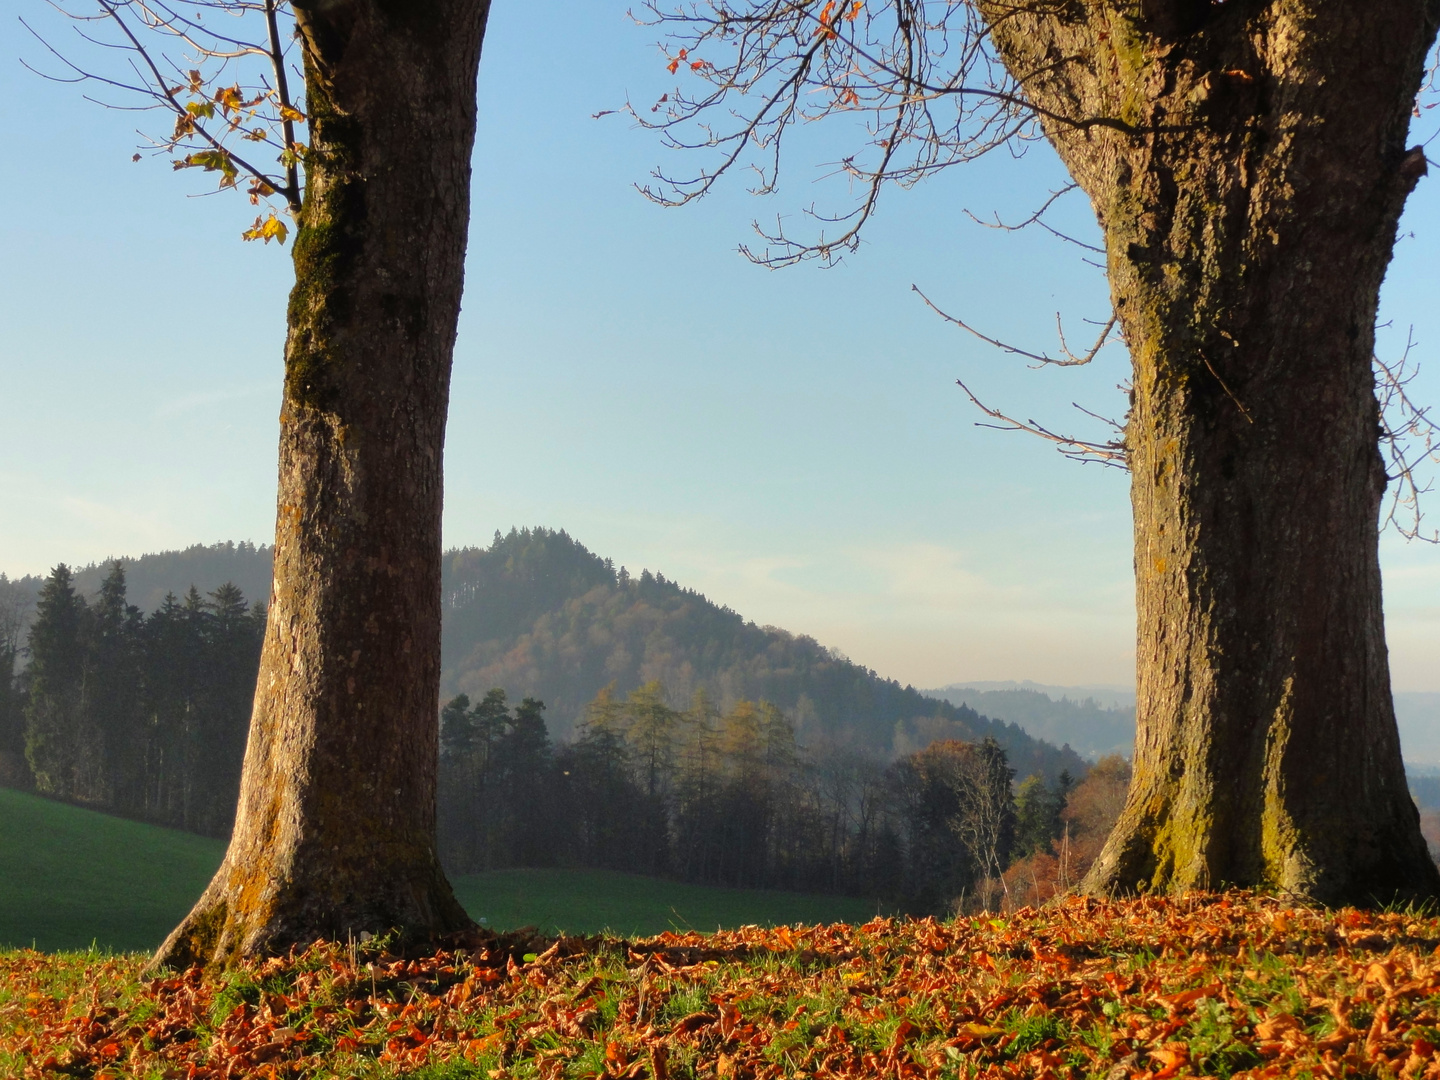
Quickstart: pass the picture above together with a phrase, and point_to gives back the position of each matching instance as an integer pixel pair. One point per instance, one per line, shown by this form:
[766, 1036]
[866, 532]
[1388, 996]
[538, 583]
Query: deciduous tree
[335, 832]
[1247, 163]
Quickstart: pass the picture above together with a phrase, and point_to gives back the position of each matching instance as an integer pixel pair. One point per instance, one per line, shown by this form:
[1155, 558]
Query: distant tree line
[141, 715]
[732, 799]
[147, 716]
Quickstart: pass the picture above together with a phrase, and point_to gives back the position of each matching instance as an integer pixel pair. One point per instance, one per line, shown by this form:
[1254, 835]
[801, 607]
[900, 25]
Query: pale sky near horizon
[790, 443]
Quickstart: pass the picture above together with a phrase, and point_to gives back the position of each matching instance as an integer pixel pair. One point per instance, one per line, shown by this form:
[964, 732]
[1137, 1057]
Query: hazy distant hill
[1107, 696]
[526, 613]
[1094, 721]
[150, 577]
[539, 615]
[1097, 720]
[1419, 717]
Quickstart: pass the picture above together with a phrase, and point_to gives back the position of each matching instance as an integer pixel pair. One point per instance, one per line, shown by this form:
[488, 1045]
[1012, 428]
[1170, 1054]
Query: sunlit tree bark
[335, 833]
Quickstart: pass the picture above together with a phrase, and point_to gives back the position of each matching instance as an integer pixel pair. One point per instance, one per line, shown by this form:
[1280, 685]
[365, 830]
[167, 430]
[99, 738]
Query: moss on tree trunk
[1248, 169]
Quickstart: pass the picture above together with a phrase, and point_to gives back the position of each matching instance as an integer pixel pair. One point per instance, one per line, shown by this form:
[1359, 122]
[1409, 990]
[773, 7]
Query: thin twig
[1410, 440]
[1041, 359]
[1107, 453]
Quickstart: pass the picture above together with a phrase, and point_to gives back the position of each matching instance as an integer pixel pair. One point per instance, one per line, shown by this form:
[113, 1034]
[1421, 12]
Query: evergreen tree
[113, 750]
[455, 795]
[172, 667]
[698, 790]
[56, 674]
[602, 801]
[231, 637]
[1037, 816]
[526, 774]
[650, 730]
[12, 717]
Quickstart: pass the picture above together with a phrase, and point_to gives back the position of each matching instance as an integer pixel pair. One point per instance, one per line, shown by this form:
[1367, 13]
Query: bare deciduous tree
[1247, 163]
[335, 832]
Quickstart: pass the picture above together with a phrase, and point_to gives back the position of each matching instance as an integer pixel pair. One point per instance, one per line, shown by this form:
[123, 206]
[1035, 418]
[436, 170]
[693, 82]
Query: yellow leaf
[978, 1031]
[266, 229]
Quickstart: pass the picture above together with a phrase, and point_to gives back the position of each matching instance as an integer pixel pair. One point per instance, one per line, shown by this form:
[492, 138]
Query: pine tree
[1037, 816]
[231, 639]
[456, 794]
[172, 665]
[54, 711]
[113, 750]
[602, 802]
[698, 791]
[651, 730]
[526, 773]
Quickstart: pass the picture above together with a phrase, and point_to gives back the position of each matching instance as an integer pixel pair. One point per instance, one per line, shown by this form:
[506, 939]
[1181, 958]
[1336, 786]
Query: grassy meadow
[71, 877]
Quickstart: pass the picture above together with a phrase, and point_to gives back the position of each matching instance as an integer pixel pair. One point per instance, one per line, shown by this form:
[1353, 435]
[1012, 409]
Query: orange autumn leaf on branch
[684, 57]
[827, 15]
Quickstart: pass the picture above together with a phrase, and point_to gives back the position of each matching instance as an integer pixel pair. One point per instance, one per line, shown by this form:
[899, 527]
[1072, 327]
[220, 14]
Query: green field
[70, 877]
[589, 901]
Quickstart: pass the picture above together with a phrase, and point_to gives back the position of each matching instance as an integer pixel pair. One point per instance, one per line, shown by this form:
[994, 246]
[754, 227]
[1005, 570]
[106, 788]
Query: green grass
[71, 877]
[591, 901]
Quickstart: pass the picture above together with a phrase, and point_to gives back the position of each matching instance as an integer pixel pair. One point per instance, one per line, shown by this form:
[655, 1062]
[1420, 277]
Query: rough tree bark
[335, 832]
[1248, 167]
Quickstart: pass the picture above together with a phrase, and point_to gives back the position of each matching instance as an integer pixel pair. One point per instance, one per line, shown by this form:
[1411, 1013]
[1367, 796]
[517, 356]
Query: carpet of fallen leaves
[1233, 985]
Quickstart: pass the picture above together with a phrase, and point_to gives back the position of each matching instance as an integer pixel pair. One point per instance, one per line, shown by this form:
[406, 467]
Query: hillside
[150, 577]
[69, 876]
[1097, 721]
[1092, 723]
[539, 615]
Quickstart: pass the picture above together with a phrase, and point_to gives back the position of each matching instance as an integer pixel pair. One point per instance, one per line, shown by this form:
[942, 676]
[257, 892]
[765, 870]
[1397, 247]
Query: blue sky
[791, 443]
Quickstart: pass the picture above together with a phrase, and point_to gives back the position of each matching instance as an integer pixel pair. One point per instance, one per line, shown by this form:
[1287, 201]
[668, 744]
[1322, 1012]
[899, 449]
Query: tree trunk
[335, 832]
[1247, 164]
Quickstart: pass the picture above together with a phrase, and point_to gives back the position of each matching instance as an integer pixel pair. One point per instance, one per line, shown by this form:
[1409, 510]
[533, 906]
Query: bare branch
[1038, 218]
[180, 110]
[1410, 441]
[1068, 359]
[282, 87]
[1107, 453]
[921, 75]
[799, 62]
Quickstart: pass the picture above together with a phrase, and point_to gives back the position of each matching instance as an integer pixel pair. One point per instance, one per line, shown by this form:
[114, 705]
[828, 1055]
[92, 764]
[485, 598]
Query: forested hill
[150, 577]
[539, 615]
